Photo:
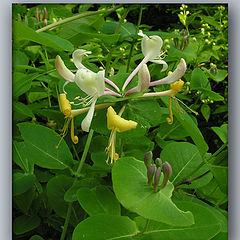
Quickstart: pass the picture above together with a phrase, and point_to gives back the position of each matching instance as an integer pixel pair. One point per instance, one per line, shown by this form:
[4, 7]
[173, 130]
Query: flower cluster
[93, 84]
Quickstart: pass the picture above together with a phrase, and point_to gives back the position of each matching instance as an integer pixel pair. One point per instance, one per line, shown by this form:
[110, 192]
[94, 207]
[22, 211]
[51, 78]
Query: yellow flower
[117, 124]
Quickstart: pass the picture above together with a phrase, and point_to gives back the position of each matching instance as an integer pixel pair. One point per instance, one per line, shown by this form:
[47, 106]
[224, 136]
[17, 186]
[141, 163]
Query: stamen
[170, 119]
[193, 111]
[64, 131]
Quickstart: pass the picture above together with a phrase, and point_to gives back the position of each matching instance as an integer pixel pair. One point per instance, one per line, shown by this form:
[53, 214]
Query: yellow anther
[65, 105]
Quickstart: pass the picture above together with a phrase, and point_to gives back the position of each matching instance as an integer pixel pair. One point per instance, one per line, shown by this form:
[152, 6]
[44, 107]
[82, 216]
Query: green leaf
[99, 200]
[130, 186]
[206, 111]
[23, 32]
[56, 189]
[184, 157]
[222, 132]
[210, 20]
[22, 109]
[189, 125]
[105, 227]
[211, 94]
[62, 43]
[163, 35]
[221, 175]
[36, 237]
[41, 147]
[21, 83]
[205, 227]
[20, 157]
[199, 80]
[25, 224]
[22, 182]
[220, 236]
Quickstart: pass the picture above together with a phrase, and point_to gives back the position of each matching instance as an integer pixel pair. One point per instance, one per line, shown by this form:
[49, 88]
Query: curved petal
[88, 119]
[77, 57]
[62, 70]
[165, 65]
[151, 46]
[173, 77]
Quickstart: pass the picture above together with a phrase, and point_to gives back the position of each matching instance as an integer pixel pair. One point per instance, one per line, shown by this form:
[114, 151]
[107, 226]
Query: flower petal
[143, 79]
[77, 57]
[151, 46]
[100, 83]
[88, 119]
[165, 65]
[62, 70]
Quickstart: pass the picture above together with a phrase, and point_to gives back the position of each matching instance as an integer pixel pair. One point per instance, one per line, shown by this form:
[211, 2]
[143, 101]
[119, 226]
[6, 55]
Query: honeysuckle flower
[143, 79]
[93, 84]
[171, 78]
[151, 49]
[117, 124]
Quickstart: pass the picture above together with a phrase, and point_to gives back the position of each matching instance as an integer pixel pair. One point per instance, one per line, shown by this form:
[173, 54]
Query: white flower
[143, 79]
[89, 82]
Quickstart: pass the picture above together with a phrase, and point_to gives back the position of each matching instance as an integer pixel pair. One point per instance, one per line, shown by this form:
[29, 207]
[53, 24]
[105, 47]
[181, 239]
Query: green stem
[116, 32]
[134, 41]
[81, 15]
[66, 221]
[83, 158]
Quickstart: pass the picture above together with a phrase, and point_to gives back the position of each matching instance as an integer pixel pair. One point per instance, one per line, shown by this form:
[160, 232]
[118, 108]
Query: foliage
[63, 190]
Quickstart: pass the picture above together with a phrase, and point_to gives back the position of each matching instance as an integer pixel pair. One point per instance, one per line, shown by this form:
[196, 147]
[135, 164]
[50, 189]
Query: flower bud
[183, 32]
[175, 40]
[167, 170]
[158, 162]
[157, 179]
[213, 70]
[150, 174]
[148, 159]
[45, 14]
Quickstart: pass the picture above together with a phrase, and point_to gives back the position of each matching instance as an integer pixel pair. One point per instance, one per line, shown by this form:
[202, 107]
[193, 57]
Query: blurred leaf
[22, 182]
[98, 200]
[22, 109]
[199, 80]
[111, 227]
[222, 132]
[23, 224]
[206, 111]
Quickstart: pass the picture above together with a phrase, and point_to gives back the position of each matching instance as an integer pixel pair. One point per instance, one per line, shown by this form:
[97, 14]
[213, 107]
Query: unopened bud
[45, 14]
[213, 70]
[176, 42]
[157, 179]
[183, 32]
[148, 159]
[37, 15]
[158, 162]
[150, 174]
[167, 170]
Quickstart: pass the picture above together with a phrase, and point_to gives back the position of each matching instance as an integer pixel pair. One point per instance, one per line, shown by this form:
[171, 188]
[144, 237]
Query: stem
[83, 158]
[134, 41]
[66, 221]
[81, 15]
[116, 32]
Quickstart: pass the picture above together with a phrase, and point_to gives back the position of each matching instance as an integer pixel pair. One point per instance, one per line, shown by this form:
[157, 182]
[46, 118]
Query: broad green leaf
[56, 188]
[184, 157]
[206, 111]
[206, 93]
[22, 109]
[99, 159]
[99, 200]
[206, 225]
[127, 30]
[19, 58]
[62, 43]
[20, 157]
[22, 182]
[23, 32]
[36, 237]
[222, 132]
[22, 83]
[199, 80]
[189, 125]
[25, 224]
[41, 143]
[221, 236]
[219, 76]
[221, 175]
[105, 227]
[130, 186]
